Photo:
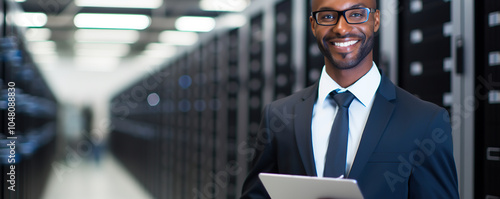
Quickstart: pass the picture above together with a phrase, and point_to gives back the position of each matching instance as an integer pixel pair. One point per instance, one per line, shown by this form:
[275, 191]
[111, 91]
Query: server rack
[435, 62]
[256, 77]
[184, 129]
[425, 50]
[153, 99]
[164, 138]
[232, 87]
[135, 138]
[208, 121]
[174, 126]
[283, 72]
[28, 114]
[169, 93]
[194, 122]
[314, 59]
[487, 90]
[184, 106]
[220, 173]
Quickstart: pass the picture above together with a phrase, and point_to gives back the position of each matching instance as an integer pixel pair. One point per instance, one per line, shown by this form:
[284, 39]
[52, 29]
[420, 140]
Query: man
[394, 144]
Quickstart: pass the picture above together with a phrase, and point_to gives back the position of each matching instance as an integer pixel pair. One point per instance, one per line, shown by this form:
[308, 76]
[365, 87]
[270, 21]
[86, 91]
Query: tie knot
[343, 99]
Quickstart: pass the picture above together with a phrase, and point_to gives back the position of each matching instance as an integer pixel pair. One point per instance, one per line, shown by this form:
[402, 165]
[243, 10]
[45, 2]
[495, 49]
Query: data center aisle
[108, 180]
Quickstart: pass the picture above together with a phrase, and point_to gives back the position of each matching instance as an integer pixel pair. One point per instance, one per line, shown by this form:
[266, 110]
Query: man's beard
[365, 49]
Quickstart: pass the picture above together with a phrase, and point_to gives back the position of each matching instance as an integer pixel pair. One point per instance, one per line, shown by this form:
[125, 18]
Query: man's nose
[342, 27]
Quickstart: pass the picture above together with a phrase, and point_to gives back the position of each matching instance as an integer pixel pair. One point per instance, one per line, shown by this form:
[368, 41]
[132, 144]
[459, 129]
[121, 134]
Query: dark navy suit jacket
[405, 151]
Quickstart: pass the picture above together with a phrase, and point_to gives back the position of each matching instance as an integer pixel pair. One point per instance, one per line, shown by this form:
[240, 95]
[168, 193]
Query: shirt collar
[364, 89]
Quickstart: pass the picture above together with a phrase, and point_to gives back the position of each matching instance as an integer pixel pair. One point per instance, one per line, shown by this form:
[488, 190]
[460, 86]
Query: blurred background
[162, 98]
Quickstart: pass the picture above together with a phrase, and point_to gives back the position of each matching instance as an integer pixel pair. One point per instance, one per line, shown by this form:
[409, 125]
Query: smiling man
[354, 122]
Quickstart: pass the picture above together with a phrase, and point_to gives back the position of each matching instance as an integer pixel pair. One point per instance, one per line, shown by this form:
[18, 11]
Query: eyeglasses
[352, 16]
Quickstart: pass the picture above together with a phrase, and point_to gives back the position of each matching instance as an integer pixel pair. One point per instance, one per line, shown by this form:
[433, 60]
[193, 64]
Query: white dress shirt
[325, 109]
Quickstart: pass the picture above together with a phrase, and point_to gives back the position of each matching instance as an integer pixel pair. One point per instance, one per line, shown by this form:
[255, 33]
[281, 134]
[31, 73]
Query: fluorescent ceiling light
[44, 52]
[148, 4]
[99, 64]
[224, 5]
[178, 38]
[20, 1]
[112, 21]
[232, 20]
[101, 49]
[31, 19]
[159, 50]
[195, 24]
[93, 46]
[42, 47]
[160, 47]
[106, 36]
[38, 34]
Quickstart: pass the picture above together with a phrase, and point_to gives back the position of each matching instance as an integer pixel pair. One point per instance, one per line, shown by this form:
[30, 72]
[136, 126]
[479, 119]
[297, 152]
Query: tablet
[281, 186]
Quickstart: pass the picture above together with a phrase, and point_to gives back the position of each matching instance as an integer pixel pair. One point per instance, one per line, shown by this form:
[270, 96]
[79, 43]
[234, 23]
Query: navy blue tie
[337, 145]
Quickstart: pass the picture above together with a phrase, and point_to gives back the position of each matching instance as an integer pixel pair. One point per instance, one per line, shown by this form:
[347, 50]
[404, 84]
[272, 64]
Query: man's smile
[345, 44]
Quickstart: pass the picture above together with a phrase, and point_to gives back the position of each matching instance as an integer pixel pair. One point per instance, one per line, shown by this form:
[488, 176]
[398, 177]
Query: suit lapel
[381, 112]
[303, 111]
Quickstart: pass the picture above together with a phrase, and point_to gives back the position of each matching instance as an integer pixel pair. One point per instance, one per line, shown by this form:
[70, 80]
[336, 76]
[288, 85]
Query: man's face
[345, 45]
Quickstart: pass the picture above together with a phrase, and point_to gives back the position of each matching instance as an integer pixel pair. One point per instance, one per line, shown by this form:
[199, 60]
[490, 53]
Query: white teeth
[345, 44]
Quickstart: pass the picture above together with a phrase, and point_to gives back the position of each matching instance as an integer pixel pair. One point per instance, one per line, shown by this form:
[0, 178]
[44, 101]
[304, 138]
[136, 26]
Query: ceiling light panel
[224, 5]
[160, 47]
[146, 4]
[38, 34]
[98, 64]
[232, 20]
[112, 21]
[178, 38]
[106, 36]
[195, 24]
[42, 47]
[159, 50]
[30, 19]
[101, 49]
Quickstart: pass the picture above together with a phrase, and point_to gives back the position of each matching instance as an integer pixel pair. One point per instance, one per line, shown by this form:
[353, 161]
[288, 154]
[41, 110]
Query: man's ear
[313, 25]
[377, 21]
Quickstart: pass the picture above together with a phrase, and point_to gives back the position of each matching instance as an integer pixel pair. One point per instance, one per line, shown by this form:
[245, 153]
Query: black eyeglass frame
[342, 13]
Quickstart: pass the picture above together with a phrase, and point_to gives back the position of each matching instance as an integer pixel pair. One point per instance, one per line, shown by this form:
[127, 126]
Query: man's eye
[356, 15]
[328, 17]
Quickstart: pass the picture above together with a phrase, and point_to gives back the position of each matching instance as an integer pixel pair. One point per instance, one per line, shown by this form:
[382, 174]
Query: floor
[88, 180]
